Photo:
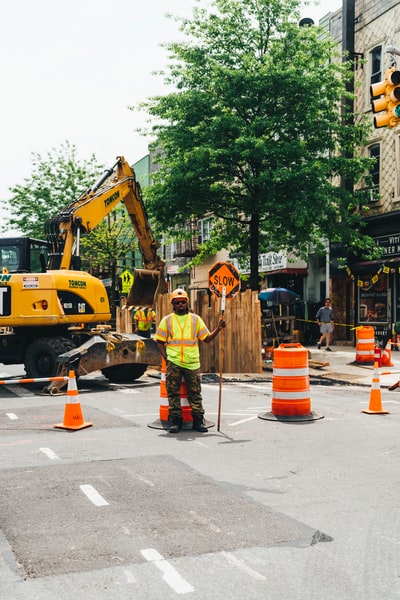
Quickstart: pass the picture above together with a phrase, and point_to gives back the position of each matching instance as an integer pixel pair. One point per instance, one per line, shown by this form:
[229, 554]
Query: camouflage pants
[173, 380]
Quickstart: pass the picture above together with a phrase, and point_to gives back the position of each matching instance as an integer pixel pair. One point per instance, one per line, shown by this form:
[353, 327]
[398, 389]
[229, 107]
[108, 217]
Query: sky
[72, 68]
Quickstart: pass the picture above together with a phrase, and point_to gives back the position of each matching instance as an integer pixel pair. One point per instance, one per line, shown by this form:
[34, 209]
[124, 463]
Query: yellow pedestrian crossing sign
[126, 281]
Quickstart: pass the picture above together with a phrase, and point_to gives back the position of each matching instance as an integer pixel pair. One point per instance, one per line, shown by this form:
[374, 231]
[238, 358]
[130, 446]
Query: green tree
[253, 133]
[112, 241]
[56, 181]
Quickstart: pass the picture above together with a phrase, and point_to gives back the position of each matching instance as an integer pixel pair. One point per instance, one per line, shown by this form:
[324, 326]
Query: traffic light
[385, 99]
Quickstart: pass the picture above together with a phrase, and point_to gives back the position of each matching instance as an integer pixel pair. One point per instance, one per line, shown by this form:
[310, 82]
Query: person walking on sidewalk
[178, 336]
[325, 320]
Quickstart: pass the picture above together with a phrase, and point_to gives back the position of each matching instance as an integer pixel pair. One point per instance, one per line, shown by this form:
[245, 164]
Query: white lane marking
[254, 386]
[154, 414]
[130, 578]
[390, 402]
[242, 421]
[238, 562]
[200, 443]
[129, 391]
[93, 495]
[19, 390]
[49, 453]
[204, 521]
[237, 384]
[171, 575]
[12, 416]
[139, 477]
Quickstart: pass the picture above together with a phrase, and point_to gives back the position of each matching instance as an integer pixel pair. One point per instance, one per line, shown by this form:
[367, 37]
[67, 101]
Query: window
[375, 152]
[10, 258]
[204, 227]
[376, 64]
[39, 257]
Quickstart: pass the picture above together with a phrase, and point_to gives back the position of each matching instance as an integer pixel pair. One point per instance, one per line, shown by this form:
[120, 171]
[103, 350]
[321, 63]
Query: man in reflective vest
[178, 336]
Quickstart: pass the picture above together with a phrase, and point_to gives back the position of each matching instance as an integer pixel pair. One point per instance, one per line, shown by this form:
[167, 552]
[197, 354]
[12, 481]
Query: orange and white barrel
[290, 381]
[365, 344]
[186, 408]
[164, 405]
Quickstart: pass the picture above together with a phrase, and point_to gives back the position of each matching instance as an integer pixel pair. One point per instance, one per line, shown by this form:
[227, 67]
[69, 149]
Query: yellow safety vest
[181, 334]
[144, 320]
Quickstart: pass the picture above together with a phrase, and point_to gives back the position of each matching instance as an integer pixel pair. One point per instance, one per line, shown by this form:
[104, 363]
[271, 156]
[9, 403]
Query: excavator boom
[117, 184]
[48, 310]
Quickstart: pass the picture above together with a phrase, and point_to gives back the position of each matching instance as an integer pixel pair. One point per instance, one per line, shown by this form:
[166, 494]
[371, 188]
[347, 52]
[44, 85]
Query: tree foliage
[112, 241]
[253, 133]
[55, 182]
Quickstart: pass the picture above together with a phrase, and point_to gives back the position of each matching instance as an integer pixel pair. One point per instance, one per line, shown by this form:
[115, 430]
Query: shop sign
[390, 245]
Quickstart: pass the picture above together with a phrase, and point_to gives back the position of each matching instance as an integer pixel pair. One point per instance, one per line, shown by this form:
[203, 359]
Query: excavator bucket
[146, 286]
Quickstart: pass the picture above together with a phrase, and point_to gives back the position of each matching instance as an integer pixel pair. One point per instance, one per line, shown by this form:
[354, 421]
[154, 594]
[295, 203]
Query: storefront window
[373, 299]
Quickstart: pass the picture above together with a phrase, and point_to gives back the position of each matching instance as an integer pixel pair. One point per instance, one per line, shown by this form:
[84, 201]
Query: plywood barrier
[242, 336]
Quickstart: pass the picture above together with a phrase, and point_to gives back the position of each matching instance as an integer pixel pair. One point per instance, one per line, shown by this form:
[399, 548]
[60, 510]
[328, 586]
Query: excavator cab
[147, 284]
[23, 255]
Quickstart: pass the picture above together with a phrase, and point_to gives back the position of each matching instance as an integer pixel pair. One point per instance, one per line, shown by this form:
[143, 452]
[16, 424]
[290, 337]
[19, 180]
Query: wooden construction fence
[242, 341]
[123, 319]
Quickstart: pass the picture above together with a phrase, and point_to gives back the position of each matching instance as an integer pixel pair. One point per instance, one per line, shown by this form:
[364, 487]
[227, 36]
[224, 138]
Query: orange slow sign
[223, 275]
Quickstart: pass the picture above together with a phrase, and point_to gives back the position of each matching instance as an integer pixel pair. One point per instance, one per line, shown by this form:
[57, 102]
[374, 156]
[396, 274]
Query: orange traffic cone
[73, 418]
[375, 398]
[387, 355]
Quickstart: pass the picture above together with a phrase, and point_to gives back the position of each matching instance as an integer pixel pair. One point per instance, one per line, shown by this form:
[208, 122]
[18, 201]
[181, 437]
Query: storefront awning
[371, 266]
[287, 272]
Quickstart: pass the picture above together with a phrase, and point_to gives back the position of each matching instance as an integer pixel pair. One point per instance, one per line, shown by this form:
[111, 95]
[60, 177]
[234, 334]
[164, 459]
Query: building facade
[373, 297]
[363, 292]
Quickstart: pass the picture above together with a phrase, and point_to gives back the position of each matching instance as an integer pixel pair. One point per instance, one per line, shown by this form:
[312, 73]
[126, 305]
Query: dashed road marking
[243, 421]
[12, 416]
[171, 575]
[242, 565]
[93, 495]
[49, 453]
[130, 578]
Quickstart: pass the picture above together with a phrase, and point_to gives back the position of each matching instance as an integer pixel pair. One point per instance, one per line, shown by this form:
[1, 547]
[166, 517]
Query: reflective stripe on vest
[180, 337]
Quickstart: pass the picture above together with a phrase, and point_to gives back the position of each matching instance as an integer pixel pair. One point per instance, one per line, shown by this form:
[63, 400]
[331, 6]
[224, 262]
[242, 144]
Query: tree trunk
[254, 249]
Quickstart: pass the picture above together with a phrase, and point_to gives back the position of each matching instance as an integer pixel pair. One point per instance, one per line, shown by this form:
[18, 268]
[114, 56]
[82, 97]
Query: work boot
[199, 425]
[176, 424]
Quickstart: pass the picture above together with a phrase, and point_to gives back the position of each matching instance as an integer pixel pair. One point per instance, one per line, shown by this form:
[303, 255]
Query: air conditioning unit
[369, 195]
[373, 195]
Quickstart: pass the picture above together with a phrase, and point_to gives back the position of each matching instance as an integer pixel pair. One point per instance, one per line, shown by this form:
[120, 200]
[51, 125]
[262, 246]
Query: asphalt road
[258, 509]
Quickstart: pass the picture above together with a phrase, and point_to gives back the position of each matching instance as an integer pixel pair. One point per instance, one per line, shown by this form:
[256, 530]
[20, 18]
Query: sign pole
[224, 282]
[221, 357]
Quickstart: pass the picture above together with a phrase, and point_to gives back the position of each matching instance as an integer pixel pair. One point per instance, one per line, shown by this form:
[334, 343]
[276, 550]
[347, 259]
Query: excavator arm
[117, 184]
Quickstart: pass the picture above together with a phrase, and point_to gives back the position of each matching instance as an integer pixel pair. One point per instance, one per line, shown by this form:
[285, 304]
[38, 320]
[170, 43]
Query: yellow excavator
[53, 313]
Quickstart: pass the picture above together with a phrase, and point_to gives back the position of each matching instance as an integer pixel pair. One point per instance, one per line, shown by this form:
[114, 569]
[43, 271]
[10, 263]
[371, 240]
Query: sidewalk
[341, 369]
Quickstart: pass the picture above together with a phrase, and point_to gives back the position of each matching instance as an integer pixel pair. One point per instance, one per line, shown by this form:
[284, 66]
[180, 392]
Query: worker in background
[178, 336]
[143, 321]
